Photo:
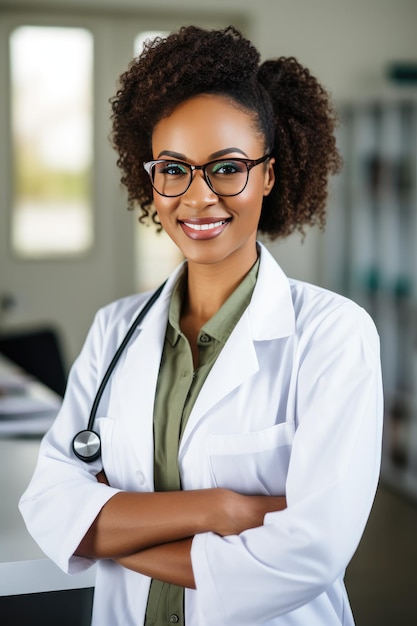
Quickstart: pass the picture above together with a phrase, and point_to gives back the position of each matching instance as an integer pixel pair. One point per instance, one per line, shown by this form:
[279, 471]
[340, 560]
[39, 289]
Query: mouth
[204, 228]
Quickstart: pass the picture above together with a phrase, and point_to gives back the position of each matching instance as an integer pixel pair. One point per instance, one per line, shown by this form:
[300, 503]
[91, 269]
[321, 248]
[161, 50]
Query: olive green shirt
[177, 389]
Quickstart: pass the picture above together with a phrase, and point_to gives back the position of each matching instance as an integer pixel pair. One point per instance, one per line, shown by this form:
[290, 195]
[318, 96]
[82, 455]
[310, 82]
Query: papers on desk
[26, 406]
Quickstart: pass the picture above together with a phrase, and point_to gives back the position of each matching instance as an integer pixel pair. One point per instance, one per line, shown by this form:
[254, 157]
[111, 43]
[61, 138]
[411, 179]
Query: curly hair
[290, 109]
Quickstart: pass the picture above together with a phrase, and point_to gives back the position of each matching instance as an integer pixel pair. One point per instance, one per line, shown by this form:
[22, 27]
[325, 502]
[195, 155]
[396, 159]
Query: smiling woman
[241, 430]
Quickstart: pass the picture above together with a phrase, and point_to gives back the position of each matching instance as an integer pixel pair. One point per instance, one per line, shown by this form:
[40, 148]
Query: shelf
[371, 255]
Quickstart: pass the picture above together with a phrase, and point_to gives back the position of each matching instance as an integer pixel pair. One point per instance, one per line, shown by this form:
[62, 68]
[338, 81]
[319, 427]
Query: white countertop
[23, 566]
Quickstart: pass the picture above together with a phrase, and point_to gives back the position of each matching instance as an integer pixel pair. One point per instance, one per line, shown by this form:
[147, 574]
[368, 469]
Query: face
[208, 228]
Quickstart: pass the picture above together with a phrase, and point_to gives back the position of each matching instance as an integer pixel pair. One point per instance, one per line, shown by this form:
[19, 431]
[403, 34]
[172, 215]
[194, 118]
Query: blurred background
[68, 245]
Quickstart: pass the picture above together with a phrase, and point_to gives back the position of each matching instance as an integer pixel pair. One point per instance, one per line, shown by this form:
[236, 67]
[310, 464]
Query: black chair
[37, 351]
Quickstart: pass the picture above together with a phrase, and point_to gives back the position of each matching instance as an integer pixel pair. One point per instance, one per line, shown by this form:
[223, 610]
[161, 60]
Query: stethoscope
[86, 444]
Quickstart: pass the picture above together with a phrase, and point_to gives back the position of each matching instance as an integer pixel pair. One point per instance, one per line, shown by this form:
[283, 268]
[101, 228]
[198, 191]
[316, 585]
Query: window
[51, 121]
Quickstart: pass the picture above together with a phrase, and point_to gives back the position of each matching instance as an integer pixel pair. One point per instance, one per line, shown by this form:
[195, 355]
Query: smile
[203, 228]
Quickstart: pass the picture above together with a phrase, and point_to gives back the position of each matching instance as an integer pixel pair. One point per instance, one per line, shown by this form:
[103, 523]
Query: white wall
[346, 44]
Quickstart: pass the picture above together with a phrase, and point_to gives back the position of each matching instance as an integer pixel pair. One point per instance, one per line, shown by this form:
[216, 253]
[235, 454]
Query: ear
[269, 179]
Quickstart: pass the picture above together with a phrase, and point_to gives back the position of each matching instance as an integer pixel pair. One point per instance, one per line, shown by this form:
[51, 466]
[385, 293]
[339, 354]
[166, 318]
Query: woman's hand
[239, 512]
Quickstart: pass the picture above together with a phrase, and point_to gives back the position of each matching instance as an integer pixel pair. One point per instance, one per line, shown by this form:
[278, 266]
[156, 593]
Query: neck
[209, 286]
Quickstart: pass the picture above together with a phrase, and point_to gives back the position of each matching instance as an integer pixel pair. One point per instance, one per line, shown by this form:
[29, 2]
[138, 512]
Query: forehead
[204, 125]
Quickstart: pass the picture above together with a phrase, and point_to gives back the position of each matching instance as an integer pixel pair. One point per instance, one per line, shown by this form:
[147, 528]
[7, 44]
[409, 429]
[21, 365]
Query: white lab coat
[293, 405]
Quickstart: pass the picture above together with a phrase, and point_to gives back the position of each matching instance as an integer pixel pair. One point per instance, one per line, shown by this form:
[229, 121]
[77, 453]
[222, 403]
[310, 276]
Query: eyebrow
[215, 155]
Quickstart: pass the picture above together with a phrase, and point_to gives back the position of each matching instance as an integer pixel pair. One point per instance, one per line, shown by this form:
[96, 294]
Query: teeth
[205, 226]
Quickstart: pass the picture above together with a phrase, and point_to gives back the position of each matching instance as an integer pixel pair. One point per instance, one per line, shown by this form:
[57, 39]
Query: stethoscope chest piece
[86, 445]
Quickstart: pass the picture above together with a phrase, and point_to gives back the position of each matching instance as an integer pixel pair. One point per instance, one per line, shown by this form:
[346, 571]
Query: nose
[199, 191]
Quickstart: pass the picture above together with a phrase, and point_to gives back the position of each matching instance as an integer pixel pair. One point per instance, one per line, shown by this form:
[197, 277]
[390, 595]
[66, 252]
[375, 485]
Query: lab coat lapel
[235, 364]
[269, 316]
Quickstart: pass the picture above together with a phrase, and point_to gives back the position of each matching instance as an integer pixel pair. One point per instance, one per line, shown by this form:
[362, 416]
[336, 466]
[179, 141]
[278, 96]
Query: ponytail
[304, 147]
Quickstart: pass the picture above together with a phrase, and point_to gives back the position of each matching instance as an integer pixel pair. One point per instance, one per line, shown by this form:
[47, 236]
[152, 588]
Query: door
[66, 288]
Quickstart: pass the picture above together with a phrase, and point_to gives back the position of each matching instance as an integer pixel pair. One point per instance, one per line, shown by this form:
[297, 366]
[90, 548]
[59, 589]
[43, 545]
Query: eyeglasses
[226, 177]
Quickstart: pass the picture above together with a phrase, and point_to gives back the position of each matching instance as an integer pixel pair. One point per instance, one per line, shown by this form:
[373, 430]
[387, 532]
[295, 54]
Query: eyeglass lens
[226, 178]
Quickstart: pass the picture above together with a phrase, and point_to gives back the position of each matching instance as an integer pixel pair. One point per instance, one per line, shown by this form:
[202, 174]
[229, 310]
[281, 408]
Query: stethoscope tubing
[89, 431]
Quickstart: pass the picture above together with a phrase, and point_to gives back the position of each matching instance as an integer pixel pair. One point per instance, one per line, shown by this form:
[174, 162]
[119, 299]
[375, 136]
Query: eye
[226, 168]
[171, 168]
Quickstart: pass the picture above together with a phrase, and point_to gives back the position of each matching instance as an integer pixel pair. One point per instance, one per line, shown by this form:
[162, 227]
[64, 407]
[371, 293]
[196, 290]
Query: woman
[241, 428]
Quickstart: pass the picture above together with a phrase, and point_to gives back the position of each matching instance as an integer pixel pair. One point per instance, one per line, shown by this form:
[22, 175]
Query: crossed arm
[151, 533]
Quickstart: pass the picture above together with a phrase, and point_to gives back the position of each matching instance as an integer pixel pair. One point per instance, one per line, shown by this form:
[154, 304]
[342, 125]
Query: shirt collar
[222, 323]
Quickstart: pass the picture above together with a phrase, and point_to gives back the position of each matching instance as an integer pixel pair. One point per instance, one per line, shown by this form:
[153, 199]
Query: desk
[24, 568]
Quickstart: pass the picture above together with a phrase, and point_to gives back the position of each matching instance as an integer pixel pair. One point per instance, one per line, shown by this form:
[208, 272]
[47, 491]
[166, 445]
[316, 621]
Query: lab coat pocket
[254, 462]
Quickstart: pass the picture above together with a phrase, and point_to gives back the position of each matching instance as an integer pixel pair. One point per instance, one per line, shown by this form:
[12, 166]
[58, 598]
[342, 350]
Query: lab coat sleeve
[63, 497]
[331, 483]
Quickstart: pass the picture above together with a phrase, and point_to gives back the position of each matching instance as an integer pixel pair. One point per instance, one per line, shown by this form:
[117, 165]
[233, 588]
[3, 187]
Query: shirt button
[174, 619]
[205, 338]
[140, 477]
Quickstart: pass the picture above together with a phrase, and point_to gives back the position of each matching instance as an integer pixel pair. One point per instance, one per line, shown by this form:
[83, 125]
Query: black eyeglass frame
[250, 163]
